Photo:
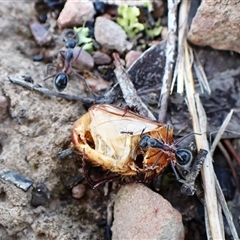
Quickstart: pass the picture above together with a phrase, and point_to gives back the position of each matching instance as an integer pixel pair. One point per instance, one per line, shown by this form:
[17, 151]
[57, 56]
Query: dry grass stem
[198, 116]
[225, 209]
[170, 59]
[201, 76]
[182, 33]
[208, 176]
[221, 131]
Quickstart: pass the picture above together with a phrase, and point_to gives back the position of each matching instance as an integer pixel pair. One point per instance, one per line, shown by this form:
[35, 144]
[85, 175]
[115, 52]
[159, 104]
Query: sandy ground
[35, 130]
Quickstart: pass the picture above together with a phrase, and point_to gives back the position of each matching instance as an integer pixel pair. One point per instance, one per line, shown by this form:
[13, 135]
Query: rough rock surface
[110, 35]
[216, 24]
[75, 13]
[32, 131]
[139, 213]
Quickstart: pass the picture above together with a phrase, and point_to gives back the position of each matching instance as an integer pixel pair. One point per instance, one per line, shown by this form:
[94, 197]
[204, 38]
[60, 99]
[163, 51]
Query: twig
[226, 155]
[129, 92]
[108, 97]
[232, 150]
[43, 90]
[170, 59]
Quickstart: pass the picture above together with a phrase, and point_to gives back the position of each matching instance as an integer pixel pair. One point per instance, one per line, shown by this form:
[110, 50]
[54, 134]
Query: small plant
[128, 20]
[84, 41]
[153, 32]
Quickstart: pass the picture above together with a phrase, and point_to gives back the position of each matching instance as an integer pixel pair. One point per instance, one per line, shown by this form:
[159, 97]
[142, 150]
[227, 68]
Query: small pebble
[101, 58]
[41, 35]
[38, 58]
[131, 57]
[40, 195]
[3, 107]
[78, 191]
[75, 13]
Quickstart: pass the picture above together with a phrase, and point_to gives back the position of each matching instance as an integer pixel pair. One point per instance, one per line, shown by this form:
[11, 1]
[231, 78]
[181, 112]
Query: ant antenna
[71, 38]
[186, 136]
[142, 132]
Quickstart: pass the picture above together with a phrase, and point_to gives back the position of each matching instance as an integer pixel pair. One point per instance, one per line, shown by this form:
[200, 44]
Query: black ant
[67, 57]
[184, 157]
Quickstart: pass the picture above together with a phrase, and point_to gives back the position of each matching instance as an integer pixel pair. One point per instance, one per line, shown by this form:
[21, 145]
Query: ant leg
[48, 66]
[168, 129]
[142, 132]
[161, 137]
[75, 58]
[49, 77]
[186, 136]
[147, 179]
[62, 54]
[92, 183]
[130, 108]
[85, 82]
[176, 173]
[158, 160]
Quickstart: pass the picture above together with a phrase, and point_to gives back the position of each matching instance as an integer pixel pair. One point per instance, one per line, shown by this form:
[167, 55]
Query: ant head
[143, 143]
[70, 37]
[61, 81]
[184, 160]
[183, 156]
[70, 43]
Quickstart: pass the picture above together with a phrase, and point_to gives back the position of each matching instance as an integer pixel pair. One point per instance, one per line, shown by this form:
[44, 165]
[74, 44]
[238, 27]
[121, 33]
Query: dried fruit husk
[109, 137]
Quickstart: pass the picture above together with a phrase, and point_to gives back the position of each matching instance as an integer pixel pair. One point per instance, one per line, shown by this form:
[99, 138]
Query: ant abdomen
[61, 81]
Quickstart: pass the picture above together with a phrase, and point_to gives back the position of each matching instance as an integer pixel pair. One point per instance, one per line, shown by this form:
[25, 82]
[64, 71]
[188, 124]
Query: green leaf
[154, 32]
[84, 41]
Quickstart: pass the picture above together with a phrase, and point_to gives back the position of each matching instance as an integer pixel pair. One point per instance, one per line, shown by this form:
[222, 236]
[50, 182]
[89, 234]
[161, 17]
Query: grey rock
[216, 24]
[110, 35]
